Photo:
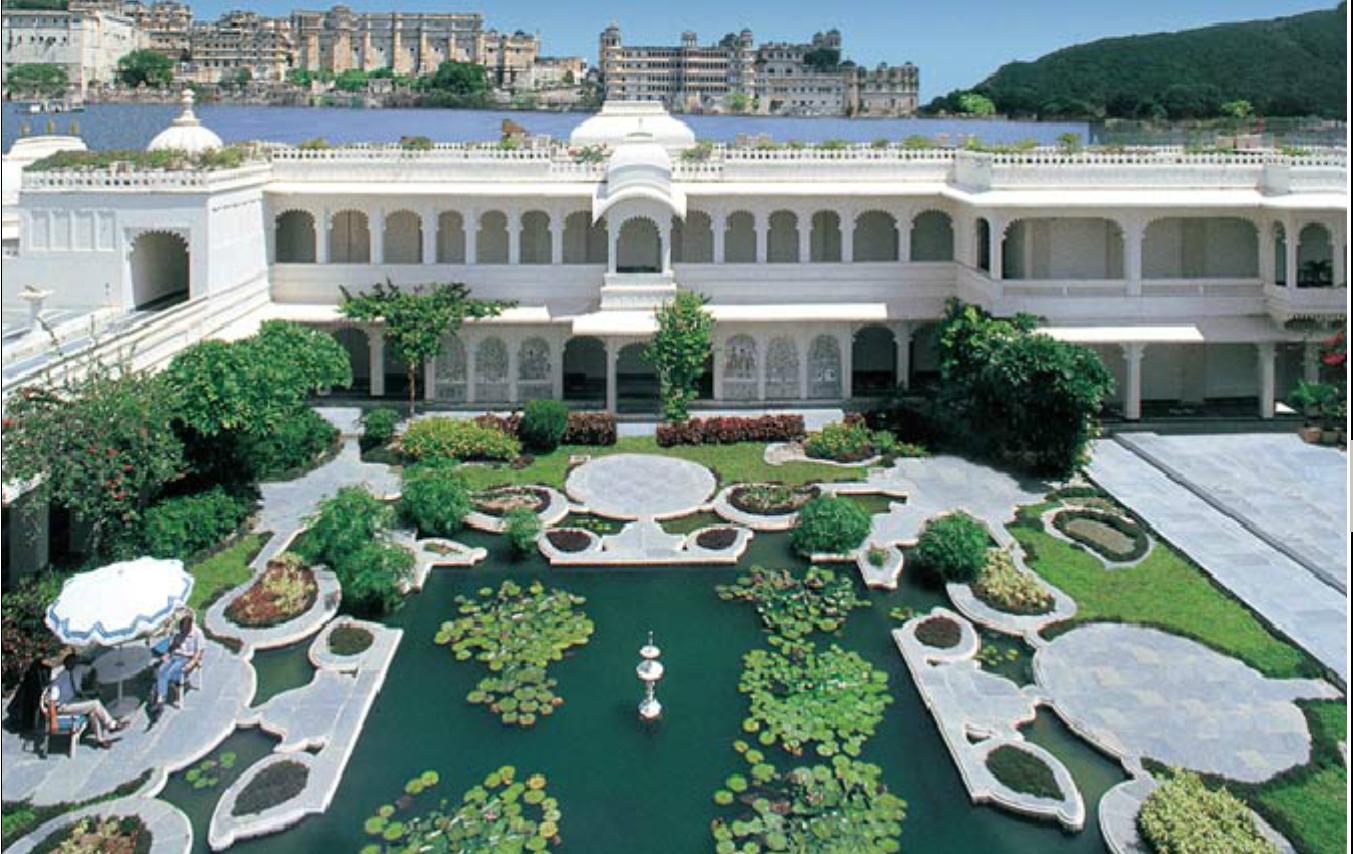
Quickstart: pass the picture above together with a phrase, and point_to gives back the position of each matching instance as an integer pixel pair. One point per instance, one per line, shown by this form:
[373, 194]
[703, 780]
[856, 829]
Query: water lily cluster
[504, 813]
[800, 695]
[516, 632]
[795, 606]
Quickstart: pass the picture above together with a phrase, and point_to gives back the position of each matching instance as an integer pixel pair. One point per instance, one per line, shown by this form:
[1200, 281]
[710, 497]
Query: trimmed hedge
[184, 525]
[1022, 771]
[459, 439]
[543, 424]
[581, 428]
[829, 525]
[1183, 816]
[1141, 544]
[953, 547]
[729, 429]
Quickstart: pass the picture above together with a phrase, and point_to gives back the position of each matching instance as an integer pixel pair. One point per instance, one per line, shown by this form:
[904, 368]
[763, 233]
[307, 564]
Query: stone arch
[824, 241]
[739, 238]
[782, 368]
[534, 377]
[1063, 248]
[693, 239]
[584, 362]
[491, 242]
[873, 361]
[452, 371]
[932, 236]
[740, 368]
[1200, 248]
[358, 346]
[875, 237]
[824, 368]
[349, 238]
[638, 246]
[536, 240]
[294, 237]
[491, 382]
[636, 380]
[584, 240]
[160, 270]
[450, 238]
[782, 238]
[403, 241]
[1315, 256]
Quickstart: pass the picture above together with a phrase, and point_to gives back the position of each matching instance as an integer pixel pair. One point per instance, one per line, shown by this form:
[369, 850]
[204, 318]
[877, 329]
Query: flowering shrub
[729, 429]
[26, 637]
[1003, 586]
[1183, 816]
[458, 439]
[581, 428]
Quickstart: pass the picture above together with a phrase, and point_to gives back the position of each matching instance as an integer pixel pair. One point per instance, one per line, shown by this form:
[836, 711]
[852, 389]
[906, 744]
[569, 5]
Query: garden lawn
[738, 463]
[1310, 804]
[1164, 590]
[223, 570]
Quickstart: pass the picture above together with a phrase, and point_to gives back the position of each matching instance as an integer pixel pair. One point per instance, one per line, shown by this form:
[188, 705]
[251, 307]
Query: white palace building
[1197, 276]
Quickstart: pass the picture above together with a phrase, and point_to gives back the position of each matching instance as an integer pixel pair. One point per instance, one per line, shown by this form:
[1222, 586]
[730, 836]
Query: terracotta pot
[1310, 434]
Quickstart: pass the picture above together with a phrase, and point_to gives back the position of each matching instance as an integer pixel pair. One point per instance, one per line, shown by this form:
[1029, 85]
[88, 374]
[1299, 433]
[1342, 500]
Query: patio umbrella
[119, 602]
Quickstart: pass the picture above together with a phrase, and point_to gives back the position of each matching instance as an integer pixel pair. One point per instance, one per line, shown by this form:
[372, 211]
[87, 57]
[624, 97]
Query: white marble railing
[119, 178]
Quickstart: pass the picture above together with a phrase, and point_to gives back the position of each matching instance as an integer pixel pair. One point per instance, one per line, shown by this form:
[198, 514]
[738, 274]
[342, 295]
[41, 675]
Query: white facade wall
[87, 43]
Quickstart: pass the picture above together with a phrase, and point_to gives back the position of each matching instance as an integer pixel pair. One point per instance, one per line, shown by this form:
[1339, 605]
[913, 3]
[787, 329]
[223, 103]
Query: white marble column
[718, 224]
[902, 332]
[847, 344]
[470, 223]
[514, 227]
[1292, 242]
[996, 247]
[376, 228]
[905, 221]
[716, 351]
[761, 365]
[376, 362]
[612, 239]
[847, 220]
[1133, 351]
[1265, 351]
[805, 238]
[557, 369]
[429, 222]
[322, 237]
[803, 343]
[665, 233]
[471, 367]
[513, 356]
[1267, 253]
[761, 228]
[1132, 256]
[556, 240]
[612, 357]
[1339, 247]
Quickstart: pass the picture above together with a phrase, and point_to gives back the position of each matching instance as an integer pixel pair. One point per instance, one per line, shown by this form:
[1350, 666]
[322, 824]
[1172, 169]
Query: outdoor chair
[186, 681]
[56, 723]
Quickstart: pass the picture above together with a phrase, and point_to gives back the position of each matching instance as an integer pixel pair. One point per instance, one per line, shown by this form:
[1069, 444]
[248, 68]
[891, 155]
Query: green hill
[1284, 67]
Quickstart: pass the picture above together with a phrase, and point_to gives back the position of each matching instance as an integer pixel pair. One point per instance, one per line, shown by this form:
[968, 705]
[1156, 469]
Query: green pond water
[623, 786]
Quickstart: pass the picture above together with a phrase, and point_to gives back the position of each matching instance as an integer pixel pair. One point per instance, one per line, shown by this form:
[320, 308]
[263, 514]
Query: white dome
[186, 132]
[619, 119]
[640, 149]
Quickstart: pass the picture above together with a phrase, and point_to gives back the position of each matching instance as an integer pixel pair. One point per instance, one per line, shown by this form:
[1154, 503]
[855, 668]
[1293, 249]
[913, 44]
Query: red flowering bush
[583, 428]
[729, 429]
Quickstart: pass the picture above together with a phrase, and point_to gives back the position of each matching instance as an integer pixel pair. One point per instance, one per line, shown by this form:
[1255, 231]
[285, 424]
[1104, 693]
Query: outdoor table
[117, 666]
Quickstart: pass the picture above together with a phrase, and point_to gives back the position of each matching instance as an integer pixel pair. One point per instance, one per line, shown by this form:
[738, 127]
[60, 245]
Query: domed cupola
[618, 119]
[639, 170]
[185, 133]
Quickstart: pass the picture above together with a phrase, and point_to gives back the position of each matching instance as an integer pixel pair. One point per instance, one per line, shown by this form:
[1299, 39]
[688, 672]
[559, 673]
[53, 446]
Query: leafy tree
[101, 446]
[351, 80]
[418, 320]
[975, 104]
[145, 67]
[39, 78]
[679, 350]
[457, 83]
[1237, 109]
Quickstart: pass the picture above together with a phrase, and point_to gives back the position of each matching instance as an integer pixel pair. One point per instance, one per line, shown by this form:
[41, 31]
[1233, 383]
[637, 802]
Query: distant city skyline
[954, 44]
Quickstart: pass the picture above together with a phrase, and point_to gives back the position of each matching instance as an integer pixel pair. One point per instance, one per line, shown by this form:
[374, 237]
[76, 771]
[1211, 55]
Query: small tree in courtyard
[678, 351]
[418, 319]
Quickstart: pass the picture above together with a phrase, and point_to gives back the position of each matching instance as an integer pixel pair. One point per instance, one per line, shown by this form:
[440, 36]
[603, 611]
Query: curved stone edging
[1049, 528]
[1026, 626]
[755, 521]
[640, 486]
[1069, 810]
[551, 514]
[880, 577]
[226, 828]
[426, 557]
[1118, 810]
[644, 543]
[298, 628]
[323, 659]
[170, 830]
[780, 453]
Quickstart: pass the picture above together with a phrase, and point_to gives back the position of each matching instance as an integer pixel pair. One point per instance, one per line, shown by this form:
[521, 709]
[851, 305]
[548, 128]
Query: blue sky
[955, 42]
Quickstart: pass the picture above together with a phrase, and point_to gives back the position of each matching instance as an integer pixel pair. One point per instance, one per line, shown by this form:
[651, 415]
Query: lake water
[623, 787]
[134, 125]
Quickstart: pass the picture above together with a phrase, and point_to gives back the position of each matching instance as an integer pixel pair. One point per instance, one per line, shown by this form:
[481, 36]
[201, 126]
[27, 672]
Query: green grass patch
[1309, 805]
[1165, 590]
[739, 463]
[225, 569]
[19, 818]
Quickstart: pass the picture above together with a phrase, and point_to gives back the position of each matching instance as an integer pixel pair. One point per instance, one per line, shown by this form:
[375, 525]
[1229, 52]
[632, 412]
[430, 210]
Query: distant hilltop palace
[1197, 276]
[775, 78]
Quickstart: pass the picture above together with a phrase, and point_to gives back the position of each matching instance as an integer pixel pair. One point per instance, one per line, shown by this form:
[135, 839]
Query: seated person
[65, 693]
[182, 651]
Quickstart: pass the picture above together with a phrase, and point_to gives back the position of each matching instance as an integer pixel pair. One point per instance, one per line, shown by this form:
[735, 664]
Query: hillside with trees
[1292, 66]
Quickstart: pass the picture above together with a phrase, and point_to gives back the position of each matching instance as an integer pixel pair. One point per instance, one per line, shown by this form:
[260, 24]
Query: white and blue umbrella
[119, 602]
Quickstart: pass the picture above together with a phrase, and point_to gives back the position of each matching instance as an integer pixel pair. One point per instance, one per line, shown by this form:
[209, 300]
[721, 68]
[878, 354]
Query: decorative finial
[187, 117]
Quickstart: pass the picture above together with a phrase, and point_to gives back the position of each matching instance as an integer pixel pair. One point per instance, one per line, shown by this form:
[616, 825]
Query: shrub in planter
[523, 527]
[568, 540]
[458, 439]
[184, 525]
[771, 499]
[543, 424]
[829, 525]
[372, 577]
[1110, 535]
[953, 547]
[434, 497]
[274, 785]
[99, 835]
[1022, 771]
[730, 429]
[1003, 586]
[284, 591]
[293, 444]
[346, 522]
[939, 632]
[590, 428]
[350, 640]
[1182, 816]
[378, 426]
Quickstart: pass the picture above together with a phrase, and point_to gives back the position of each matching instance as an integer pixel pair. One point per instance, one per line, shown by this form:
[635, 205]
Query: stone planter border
[298, 628]
[551, 514]
[170, 830]
[644, 543]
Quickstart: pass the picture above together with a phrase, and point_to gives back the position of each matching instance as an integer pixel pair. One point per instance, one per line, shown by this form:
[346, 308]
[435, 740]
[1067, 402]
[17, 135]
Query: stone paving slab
[1284, 593]
[170, 830]
[637, 486]
[1292, 495]
[1141, 692]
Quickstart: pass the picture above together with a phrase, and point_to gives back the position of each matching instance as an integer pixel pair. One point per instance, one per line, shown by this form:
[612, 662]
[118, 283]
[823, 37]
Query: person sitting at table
[65, 693]
[182, 652]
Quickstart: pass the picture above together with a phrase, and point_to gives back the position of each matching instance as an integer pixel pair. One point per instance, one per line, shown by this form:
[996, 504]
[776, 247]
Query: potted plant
[1313, 399]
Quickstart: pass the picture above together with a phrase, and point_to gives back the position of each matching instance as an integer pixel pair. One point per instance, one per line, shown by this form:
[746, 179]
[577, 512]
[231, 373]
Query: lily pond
[622, 785]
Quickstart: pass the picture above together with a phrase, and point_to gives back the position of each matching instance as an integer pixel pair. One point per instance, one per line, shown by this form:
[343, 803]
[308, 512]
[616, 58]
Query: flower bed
[717, 539]
[771, 499]
[1183, 814]
[1112, 536]
[97, 835]
[793, 606]
[463, 440]
[284, 591]
[729, 429]
[349, 640]
[1003, 586]
[939, 632]
[568, 539]
[582, 428]
[1022, 771]
[499, 502]
[274, 785]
